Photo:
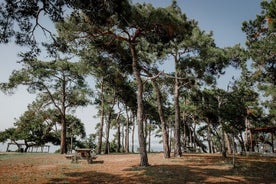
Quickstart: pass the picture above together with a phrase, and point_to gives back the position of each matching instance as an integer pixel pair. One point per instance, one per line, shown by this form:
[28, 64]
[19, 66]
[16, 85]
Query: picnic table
[189, 149]
[83, 154]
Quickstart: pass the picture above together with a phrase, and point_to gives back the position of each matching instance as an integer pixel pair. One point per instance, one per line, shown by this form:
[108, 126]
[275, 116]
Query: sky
[223, 17]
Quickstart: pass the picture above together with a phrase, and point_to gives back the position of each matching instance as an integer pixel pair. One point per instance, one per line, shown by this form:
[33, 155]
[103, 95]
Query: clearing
[123, 169]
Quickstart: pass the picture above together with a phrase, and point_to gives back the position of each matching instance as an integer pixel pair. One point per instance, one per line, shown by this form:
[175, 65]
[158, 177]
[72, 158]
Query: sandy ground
[124, 169]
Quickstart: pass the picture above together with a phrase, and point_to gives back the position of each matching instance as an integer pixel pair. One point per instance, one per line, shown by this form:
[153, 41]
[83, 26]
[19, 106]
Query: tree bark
[140, 111]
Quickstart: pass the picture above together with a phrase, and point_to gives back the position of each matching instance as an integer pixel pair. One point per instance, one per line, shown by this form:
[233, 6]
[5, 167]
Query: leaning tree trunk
[139, 83]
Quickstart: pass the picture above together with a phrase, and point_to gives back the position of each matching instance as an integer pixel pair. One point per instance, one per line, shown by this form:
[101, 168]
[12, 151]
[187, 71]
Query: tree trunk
[149, 137]
[194, 136]
[177, 145]
[165, 135]
[246, 133]
[170, 137]
[140, 111]
[63, 147]
[133, 136]
[223, 148]
[228, 144]
[118, 134]
[27, 146]
[100, 138]
[123, 139]
[145, 129]
[107, 130]
[200, 144]
[118, 129]
[241, 141]
[209, 138]
[127, 134]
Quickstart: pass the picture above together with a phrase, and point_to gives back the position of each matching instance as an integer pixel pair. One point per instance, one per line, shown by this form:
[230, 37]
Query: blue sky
[223, 17]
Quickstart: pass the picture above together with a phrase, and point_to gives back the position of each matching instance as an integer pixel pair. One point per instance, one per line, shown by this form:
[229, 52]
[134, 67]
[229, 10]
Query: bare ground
[124, 169]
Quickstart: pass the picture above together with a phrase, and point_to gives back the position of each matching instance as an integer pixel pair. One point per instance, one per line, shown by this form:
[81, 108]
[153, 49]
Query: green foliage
[89, 142]
[39, 126]
[51, 78]
[8, 134]
[25, 16]
[261, 40]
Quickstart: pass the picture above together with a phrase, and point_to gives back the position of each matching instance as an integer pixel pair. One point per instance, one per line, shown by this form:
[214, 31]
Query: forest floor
[123, 169]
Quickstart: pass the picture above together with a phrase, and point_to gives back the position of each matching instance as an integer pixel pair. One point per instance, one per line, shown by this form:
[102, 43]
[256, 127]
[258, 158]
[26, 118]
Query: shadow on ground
[176, 173]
